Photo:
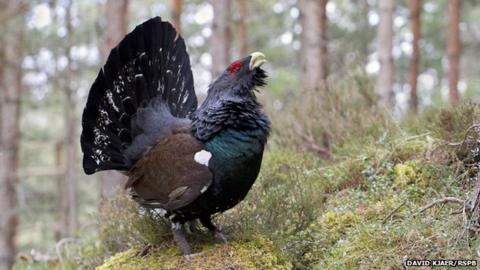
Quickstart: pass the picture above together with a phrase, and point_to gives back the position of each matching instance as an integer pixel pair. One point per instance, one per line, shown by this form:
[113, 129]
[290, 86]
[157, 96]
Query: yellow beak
[257, 60]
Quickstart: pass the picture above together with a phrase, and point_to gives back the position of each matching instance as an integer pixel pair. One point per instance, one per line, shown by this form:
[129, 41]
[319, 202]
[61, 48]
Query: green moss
[335, 224]
[256, 254]
[405, 174]
[374, 228]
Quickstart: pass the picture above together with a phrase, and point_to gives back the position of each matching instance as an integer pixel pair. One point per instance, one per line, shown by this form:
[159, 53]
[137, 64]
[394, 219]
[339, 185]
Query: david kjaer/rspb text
[442, 263]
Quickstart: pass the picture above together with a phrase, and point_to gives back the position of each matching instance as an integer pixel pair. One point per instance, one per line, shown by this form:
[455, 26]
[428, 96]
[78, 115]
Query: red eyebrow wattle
[233, 67]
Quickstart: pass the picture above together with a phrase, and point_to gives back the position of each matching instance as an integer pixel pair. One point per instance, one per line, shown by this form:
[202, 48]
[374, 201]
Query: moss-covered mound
[257, 254]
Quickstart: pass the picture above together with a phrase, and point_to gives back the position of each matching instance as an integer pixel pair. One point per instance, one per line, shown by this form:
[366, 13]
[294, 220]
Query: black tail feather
[149, 66]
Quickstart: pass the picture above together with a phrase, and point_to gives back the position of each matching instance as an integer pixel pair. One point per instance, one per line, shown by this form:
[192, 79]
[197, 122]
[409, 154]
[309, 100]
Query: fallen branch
[144, 250]
[443, 200]
[36, 256]
[393, 212]
[313, 146]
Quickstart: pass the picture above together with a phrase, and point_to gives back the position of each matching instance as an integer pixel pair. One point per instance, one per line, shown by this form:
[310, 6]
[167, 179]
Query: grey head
[240, 78]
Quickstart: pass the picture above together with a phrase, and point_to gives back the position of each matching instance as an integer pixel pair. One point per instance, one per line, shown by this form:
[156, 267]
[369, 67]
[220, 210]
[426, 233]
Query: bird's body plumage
[141, 118]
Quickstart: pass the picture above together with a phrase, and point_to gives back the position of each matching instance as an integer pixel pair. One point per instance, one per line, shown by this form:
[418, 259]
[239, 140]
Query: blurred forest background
[340, 71]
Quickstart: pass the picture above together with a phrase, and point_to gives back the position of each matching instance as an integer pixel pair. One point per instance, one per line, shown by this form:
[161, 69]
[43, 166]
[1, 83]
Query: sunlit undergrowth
[366, 204]
[360, 208]
[251, 255]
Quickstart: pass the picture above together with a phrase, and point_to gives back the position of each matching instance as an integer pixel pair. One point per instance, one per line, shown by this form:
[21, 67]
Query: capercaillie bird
[141, 118]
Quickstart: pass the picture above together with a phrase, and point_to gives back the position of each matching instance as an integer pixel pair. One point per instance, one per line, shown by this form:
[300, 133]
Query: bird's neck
[233, 116]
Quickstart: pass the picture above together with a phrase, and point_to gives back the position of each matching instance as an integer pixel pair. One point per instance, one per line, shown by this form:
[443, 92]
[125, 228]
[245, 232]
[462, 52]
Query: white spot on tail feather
[111, 101]
[202, 157]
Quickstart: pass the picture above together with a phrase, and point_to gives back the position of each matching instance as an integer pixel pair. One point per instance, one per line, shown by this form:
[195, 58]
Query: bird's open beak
[257, 60]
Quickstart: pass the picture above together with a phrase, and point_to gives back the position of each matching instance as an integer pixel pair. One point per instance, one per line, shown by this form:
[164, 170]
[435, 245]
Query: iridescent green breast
[232, 150]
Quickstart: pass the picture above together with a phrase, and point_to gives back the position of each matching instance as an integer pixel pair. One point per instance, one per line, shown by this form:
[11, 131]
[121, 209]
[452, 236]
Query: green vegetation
[362, 206]
[344, 184]
[258, 254]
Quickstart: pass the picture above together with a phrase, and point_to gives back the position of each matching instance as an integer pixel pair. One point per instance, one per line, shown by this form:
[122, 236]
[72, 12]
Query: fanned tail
[143, 91]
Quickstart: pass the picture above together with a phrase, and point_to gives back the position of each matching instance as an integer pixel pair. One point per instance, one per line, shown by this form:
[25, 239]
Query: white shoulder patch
[202, 157]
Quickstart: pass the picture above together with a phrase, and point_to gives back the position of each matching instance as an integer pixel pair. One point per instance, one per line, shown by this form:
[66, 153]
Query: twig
[475, 200]
[404, 140]
[314, 147]
[443, 200]
[393, 212]
[59, 245]
[144, 250]
[456, 144]
[465, 136]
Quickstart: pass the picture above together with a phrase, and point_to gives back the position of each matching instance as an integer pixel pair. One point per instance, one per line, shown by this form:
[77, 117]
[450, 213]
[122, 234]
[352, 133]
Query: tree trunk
[68, 189]
[62, 219]
[116, 12]
[454, 48]
[11, 56]
[385, 40]
[67, 184]
[176, 15]
[313, 19]
[241, 28]
[220, 39]
[323, 43]
[415, 11]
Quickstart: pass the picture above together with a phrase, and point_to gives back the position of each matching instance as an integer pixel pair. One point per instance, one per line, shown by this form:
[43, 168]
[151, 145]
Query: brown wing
[168, 177]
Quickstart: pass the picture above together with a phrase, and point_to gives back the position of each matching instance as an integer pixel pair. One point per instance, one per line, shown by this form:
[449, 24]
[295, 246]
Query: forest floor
[347, 189]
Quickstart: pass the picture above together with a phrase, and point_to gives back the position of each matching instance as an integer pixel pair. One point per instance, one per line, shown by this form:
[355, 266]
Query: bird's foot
[217, 233]
[179, 237]
[221, 238]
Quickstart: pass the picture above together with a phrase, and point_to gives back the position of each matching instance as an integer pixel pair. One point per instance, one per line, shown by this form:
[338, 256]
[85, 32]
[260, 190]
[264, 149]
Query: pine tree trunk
[67, 184]
[68, 196]
[323, 43]
[221, 35]
[314, 50]
[415, 11]
[176, 15]
[11, 56]
[454, 48]
[241, 28]
[385, 41]
[62, 215]
[116, 12]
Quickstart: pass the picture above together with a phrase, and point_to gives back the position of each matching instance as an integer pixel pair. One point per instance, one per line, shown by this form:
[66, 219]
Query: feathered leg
[207, 222]
[179, 237]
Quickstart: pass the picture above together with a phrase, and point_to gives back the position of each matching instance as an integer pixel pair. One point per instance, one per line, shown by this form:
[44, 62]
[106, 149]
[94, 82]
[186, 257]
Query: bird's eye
[234, 67]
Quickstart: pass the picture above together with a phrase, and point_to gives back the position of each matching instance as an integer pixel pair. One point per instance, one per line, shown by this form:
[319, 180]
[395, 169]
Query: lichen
[255, 254]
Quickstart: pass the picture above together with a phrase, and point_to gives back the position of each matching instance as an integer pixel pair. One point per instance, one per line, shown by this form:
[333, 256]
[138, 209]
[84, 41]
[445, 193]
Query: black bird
[141, 118]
